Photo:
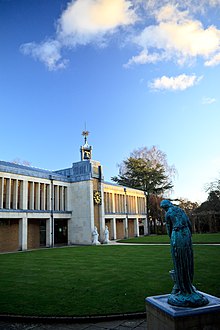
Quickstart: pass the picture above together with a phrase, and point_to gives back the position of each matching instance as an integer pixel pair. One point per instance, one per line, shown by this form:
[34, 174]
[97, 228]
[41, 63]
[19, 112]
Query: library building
[41, 208]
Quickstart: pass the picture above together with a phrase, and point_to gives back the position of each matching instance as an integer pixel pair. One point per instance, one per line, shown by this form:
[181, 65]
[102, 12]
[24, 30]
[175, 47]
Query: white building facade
[40, 208]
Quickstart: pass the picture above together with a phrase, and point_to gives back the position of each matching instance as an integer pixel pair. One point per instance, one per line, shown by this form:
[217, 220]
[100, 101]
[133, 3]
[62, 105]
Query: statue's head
[165, 204]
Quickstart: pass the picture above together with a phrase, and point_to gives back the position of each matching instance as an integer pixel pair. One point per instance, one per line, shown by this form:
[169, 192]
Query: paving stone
[137, 324]
[131, 323]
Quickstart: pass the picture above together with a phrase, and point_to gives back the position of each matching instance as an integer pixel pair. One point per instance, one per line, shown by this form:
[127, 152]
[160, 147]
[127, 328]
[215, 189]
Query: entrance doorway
[60, 232]
[42, 232]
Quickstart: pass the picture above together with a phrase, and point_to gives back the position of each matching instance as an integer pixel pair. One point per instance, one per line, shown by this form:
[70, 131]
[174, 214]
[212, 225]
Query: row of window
[18, 194]
[123, 203]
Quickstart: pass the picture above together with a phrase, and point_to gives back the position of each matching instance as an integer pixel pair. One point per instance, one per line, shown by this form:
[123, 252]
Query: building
[40, 208]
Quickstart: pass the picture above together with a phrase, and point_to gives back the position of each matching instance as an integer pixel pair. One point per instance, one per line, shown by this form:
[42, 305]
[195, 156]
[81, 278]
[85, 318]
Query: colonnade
[23, 232]
[113, 223]
[124, 203]
[32, 195]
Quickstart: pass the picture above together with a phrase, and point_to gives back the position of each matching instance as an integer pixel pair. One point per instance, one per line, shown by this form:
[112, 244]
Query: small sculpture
[106, 234]
[95, 236]
[179, 229]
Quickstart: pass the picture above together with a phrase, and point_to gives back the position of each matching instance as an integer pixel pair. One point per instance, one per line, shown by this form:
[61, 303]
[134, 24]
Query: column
[125, 223]
[49, 232]
[15, 195]
[146, 232]
[113, 202]
[66, 206]
[24, 195]
[8, 193]
[31, 195]
[61, 198]
[113, 223]
[23, 233]
[136, 227]
[48, 197]
[102, 213]
[42, 196]
[56, 197]
[136, 205]
[1, 192]
[37, 195]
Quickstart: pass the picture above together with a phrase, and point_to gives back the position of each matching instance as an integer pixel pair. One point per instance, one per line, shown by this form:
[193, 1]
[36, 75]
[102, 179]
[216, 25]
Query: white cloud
[177, 36]
[215, 60]
[83, 22]
[47, 52]
[208, 100]
[144, 57]
[180, 82]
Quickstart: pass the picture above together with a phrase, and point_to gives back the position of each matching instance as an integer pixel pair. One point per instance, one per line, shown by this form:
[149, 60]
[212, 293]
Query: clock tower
[86, 150]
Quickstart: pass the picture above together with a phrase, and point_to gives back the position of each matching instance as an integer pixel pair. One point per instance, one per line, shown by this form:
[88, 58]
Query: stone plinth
[162, 316]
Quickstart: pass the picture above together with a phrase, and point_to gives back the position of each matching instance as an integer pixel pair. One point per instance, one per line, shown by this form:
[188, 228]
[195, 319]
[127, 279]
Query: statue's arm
[169, 225]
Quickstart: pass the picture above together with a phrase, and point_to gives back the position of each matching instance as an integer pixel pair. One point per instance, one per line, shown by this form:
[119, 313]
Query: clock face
[97, 197]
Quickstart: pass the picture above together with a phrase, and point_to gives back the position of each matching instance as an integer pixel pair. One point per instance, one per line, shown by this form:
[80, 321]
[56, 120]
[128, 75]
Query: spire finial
[86, 150]
[85, 133]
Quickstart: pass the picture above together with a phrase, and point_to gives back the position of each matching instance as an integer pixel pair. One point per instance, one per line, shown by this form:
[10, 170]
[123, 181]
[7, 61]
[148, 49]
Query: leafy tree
[188, 206]
[209, 211]
[21, 162]
[156, 214]
[141, 174]
[212, 203]
[147, 170]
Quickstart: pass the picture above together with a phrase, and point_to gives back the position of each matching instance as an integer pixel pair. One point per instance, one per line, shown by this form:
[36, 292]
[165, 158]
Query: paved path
[126, 324]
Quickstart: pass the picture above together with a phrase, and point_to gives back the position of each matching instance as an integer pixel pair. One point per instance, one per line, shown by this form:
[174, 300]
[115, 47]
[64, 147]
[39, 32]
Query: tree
[141, 174]
[213, 200]
[147, 170]
[188, 206]
[208, 213]
[21, 162]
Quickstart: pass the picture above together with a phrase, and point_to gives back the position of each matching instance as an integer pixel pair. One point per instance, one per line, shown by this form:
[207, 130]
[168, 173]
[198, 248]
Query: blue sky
[139, 73]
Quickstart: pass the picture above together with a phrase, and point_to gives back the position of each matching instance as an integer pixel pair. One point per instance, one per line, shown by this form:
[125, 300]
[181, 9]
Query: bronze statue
[179, 229]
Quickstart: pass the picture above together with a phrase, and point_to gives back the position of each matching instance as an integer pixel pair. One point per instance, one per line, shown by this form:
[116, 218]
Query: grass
[95, 280]
[163, 239]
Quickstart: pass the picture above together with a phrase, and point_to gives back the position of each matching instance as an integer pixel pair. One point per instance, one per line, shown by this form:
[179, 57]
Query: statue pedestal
[162, 316]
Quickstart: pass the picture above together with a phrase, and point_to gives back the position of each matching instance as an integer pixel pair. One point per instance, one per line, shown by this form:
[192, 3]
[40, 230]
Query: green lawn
[95, 280]
[197, 238]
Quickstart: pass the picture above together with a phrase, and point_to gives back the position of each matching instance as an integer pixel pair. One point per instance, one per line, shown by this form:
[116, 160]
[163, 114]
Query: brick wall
[119, 229]
[130, 228]
[9, 235]
[33, 234]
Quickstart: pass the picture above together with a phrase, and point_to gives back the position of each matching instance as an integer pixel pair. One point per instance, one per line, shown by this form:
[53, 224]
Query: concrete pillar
[8, 193]
[113, 202]
[136, 205]
[136, 227]
[15, 195]
[31, 202]
[61, 198]
[146, 232]
[56, 197]
[42, 196]
[24, 195]
[113, 223]
[48, 197]
[37, 196]
[102, 213]
[125, 223]
[66, 206]
[23, 233]
[1, 192]
[49, 232]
